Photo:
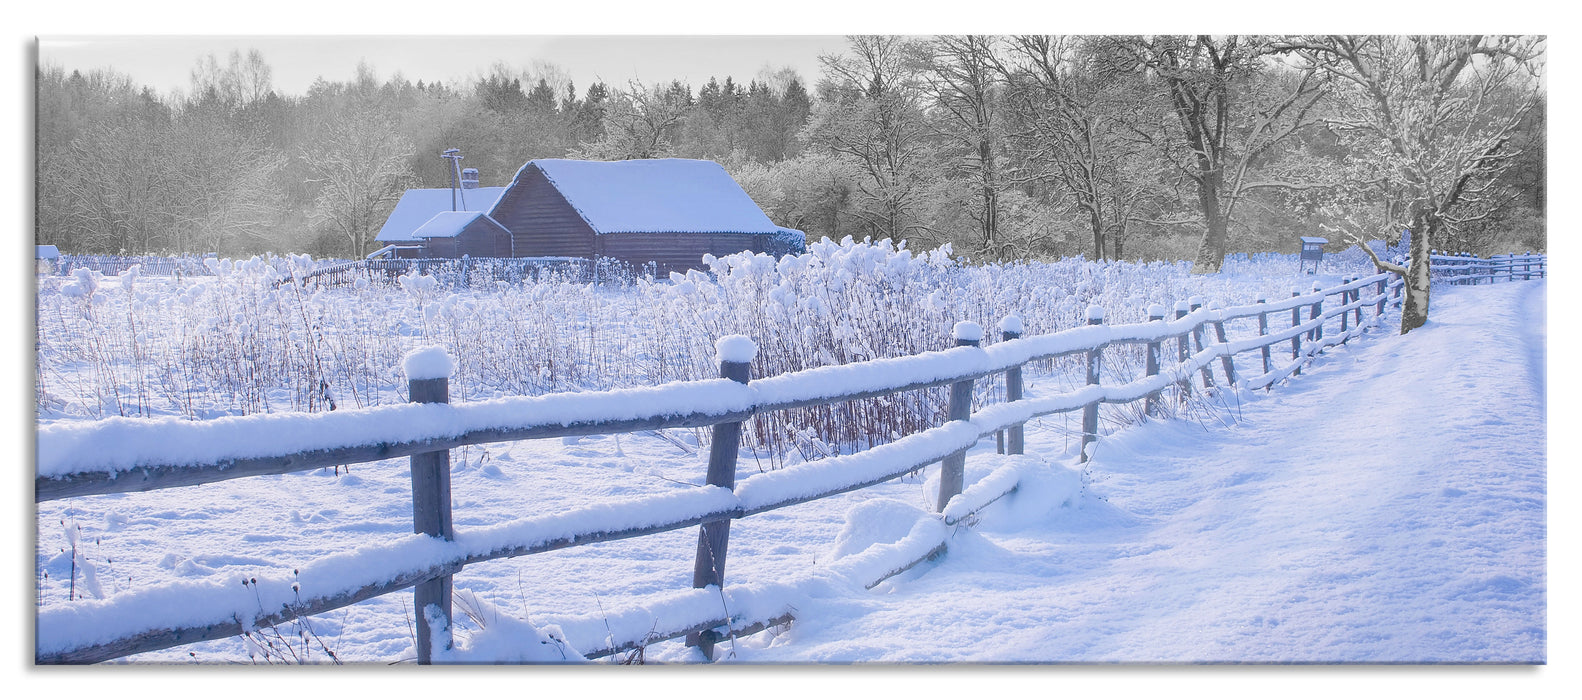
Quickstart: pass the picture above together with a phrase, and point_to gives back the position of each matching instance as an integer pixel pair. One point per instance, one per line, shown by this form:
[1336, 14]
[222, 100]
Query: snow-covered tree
[871, 114]
[360, 165]
[1431, 119]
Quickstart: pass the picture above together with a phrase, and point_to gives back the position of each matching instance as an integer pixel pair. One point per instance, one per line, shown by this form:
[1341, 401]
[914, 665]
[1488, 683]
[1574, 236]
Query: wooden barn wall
[481, 239]
[440, 248]
[541, 220]
[676, 251]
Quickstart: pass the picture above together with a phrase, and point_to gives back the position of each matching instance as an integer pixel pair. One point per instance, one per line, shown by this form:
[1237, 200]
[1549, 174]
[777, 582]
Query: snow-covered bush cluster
[236, 343]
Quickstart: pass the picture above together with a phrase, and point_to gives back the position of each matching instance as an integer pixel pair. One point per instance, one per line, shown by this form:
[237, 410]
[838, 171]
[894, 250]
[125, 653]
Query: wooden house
[670, 212]
[417, 207]
[666, 211]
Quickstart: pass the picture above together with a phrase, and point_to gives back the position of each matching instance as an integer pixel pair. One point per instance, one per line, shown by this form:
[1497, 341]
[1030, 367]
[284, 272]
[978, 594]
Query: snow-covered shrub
[236, 343]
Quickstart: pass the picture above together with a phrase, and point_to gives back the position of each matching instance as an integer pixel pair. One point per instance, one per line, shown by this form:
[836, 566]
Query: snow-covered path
[1387, 506]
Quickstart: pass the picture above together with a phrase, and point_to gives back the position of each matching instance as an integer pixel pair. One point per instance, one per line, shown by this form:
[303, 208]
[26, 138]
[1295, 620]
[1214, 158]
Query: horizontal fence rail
[1467, 269]
[72, 462]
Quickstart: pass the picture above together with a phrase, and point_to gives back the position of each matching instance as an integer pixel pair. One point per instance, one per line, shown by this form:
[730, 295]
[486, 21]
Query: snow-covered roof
[418, 206]
[1314, 239]
[448, 224]
[46, 252]
[669, 195]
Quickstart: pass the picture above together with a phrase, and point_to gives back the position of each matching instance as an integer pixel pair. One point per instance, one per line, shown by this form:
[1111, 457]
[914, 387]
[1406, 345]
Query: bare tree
[360, 165]
[962, 82]
[639, 122]
[1432, 118]
[1077, 125]
[242, 81]
[872, 114]
[227, 198]
[1227, 119]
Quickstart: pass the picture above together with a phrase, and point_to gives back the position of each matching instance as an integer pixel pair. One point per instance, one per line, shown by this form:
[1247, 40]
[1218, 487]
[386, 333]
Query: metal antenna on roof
[454, 156]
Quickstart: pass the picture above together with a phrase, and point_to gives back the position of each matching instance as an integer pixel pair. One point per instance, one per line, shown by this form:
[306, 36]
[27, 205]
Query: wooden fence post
[1345, 298]
[1197, 337]
[1263, 329]
[1380, 312]
[735, 354]
[1156, 312]
[952, 470]
[1183, 347]
[1090, 412]
[1226, 362]
[1318, 310]
[1011, 329]
[1296, 340]
[1356, 296]
[428, 381]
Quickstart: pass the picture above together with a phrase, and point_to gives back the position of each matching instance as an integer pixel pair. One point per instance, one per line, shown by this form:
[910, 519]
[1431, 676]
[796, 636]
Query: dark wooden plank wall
[676, 251]
[541, 220]
[482, 239]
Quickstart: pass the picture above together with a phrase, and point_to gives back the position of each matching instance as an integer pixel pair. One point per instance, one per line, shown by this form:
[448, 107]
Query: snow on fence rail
[1468, 269]
[120, 455]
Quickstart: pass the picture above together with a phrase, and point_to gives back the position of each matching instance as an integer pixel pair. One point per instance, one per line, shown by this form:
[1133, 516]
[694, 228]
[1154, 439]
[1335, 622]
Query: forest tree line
[1006, 147]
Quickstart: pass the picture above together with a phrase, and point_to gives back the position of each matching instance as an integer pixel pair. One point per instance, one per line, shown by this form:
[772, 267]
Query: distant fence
[461, 272]
[188, 266]
[123, 455]
[1469, 269]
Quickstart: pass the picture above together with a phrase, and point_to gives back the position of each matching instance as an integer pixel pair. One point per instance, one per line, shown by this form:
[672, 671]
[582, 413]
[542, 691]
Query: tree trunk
[991, 204]
[1210, 250]
[1414, 305]
[1097, 224]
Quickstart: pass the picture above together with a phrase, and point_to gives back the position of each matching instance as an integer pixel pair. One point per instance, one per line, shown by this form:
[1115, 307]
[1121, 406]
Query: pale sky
[165, 62]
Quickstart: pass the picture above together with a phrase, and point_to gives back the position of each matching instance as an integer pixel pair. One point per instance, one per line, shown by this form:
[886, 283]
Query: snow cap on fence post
[1095, 315]
[1181, 309]
[735, 348]
[1195, 301]
[1156, 312]
[1318, 287]
[1011, 324]
[428, 362]
[967, 333]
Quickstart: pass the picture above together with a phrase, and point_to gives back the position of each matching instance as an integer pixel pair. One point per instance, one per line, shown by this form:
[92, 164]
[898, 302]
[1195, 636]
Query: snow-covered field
[1387, 506]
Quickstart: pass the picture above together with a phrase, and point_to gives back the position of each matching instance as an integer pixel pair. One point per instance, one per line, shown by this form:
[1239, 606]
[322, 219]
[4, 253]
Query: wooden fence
[1466, 268]
[462, 271]
[76, 460]
[188, 266]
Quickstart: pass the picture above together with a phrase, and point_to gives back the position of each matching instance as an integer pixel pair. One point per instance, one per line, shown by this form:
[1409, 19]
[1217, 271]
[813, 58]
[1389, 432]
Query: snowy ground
[1387, 506]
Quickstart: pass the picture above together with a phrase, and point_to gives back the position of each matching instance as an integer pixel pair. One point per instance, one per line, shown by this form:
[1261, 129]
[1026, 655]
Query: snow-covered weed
[240, 342]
